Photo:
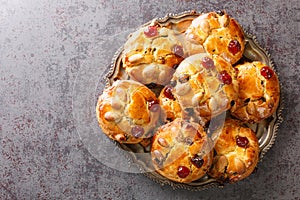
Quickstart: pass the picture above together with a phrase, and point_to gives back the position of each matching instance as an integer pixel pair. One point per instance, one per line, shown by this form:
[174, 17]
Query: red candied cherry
[178, 50]
[242, 141]
[137, 131]
[168, 92]
[234, 47]
[197, 161]
[153, 106]
[183, 171]
[225, 77]
[266, 72]
[151, 31]
[207, 63]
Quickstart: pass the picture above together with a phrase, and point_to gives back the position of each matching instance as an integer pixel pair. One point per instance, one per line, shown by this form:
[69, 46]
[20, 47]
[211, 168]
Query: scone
[258, 94]
[237, 152]
[219, 34]
[181, 151]
[169, 104]
[203, 86]
[151, 54]
[128, 111]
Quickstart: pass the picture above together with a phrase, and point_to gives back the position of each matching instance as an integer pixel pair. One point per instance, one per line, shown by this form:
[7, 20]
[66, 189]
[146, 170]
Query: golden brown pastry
[219, 34]
[128, 111]
[237, 151]
[203, 86]
[151, 54]
[258, 94]
[181, 151]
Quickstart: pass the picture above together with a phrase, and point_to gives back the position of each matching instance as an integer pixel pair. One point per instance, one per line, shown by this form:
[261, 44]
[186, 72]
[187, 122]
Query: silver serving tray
[266, 131]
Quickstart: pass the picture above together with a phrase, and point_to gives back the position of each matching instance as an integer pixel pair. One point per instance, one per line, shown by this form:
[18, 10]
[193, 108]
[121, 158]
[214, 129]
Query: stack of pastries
[201, 77]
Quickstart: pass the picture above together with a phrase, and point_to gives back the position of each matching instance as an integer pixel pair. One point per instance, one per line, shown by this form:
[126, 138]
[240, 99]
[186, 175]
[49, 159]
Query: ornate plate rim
[132, 160]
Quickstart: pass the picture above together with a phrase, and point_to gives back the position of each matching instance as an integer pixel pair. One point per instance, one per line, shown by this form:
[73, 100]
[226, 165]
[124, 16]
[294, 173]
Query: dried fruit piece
[242, 141]
[197, 161]
[153, 106]
[266, 72]
[168, 92]
[178, 50]
[234, 47]
[225, 77]
[183, 171]
[151, 31]
[208, 63]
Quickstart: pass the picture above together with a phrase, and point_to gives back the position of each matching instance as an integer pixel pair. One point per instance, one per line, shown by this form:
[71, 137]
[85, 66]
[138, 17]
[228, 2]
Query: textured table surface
[51, 51]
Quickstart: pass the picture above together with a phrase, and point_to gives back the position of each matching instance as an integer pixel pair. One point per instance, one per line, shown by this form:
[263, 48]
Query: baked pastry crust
[181, 145]
[217, 32]
[258, 97]
[236, 157]
[199, 88]
[128, 111]
[152, 58]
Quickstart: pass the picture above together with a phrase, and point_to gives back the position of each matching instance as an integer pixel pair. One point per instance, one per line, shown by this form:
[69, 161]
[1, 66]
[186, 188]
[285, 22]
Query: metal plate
[266, 131]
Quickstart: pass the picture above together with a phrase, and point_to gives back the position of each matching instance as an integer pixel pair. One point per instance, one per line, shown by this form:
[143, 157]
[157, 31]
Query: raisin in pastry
[258, 92]
[237, 152]
[181, 151]
[128, 111]
[219, 34]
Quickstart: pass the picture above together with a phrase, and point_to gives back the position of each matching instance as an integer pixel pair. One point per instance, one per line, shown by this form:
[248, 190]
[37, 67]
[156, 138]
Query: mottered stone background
[48, 47]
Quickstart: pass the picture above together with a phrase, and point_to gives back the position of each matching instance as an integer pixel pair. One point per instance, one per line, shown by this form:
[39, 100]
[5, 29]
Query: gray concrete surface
[53, 50]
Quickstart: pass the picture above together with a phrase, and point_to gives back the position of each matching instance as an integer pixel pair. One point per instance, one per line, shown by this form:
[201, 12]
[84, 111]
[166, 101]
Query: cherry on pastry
[234, 47]
[153, 106]
[225, 77]
[151, 31]
[178, 50]
[266, 72]
[183, 171]
[168, 92]
[207, 63]
[242, 141]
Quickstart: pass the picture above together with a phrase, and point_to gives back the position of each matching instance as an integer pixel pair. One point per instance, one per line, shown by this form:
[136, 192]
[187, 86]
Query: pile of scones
[202, 78]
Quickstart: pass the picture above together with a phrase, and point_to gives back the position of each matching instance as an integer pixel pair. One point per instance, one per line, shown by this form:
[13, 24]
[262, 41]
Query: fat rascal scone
[128, 111]
[181, 151]
[237, 152]
[204, 87]
[151, 54]
[219, 34]
[258, 92]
